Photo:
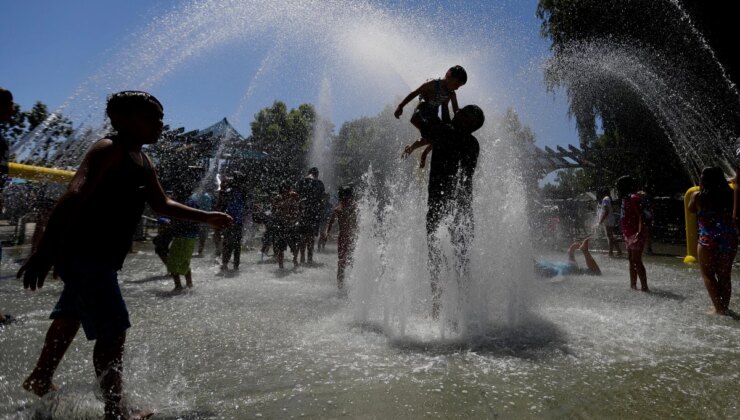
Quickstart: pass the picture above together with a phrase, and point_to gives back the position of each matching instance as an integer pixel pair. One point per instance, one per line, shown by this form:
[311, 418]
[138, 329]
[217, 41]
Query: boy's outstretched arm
[410, 97]
[164, 205]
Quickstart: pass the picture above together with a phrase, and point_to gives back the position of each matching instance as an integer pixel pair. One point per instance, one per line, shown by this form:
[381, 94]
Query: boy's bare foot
[39, 386]
[645, 289]
[177, 289]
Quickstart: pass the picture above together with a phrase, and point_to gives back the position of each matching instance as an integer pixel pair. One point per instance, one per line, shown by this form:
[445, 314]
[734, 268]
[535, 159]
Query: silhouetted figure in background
[232, 201]
[311, 191]
[285, 211]
[345, 214]
[606, 217]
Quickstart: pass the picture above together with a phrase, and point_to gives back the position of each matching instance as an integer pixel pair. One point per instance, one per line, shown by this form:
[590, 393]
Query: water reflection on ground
[258, 343]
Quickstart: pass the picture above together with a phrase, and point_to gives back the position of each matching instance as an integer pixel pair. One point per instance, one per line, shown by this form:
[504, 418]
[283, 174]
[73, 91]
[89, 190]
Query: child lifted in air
[432, 95]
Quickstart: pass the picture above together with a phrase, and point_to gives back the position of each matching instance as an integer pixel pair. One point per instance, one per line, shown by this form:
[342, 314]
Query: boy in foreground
[88, 237]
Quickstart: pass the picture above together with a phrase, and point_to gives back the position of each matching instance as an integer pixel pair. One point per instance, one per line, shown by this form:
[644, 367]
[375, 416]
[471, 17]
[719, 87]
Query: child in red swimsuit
[345, 213]
[633, 229]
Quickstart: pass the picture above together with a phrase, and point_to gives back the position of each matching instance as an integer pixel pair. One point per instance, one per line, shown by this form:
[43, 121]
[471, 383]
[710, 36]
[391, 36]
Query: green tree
[43, 132]
[285, 135]
[569, 183]
[15, 128]
[619, 123]
[372, 142]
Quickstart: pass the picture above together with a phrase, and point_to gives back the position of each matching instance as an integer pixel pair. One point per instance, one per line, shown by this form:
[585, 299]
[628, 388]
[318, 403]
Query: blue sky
[66, 53]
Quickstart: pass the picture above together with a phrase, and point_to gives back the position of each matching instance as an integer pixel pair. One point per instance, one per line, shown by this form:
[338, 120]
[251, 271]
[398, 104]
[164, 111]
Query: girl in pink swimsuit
[633, 228]
[717, 244]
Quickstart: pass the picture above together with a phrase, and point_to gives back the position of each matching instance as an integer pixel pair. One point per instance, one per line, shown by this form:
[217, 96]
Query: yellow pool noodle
[39, 173]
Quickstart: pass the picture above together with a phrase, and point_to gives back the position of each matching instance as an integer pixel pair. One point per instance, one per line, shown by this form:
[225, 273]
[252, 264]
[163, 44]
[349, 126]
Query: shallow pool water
[262, 343]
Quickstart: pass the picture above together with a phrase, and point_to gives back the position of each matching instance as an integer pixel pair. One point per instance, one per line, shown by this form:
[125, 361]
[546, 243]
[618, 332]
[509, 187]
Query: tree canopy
[49, 130]
[285, 135]
[643, 86]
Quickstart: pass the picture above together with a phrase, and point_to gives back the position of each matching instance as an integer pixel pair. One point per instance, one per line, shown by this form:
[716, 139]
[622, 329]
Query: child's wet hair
[345, 192]
[476, 113]
[131, 100]
[5, 95]
[459, 73]
[626, 185]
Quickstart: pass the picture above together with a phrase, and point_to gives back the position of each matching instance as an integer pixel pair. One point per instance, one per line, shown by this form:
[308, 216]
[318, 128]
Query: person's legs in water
[293, 244]
[279, 244]
[434, 216]
[217, 242]
[280, 253]
[310, 243]
[237, 255]
[591, 265]
[301, 241]
[189, 279]
[612, 242]
[58, 338]
[724, 277]
[227, 247]
[202, 237]
[342, 254]
[637, 270]
[178, 283]
[462, 230]
[108, 361]
[709, 264]
[232, 245]
[633, 269]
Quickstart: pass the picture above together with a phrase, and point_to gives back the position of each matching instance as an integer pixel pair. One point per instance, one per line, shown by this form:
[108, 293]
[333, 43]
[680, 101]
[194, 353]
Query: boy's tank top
[108, 220]
[441, 95]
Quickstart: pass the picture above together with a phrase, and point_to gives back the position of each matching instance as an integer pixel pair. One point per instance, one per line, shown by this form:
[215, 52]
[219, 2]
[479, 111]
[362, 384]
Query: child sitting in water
[548, 269]
[432, 95]
[345, 214]
[88, 237]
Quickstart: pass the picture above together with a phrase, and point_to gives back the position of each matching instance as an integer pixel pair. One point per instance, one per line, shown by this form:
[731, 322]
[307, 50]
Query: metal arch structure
[548, 160]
